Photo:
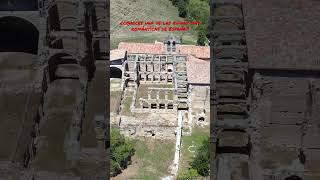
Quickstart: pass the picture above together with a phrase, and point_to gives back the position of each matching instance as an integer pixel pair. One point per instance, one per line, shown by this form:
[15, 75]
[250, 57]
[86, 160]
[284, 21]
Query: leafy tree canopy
[121, 151]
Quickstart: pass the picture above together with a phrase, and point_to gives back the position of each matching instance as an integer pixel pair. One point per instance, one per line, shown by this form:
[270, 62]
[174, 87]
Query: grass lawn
[141, 10]
[154, 158]
[195, 140]
[126, 106]
[143, 92]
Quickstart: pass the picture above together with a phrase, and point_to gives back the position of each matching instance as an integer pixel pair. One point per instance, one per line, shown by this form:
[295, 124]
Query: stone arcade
[53, 80]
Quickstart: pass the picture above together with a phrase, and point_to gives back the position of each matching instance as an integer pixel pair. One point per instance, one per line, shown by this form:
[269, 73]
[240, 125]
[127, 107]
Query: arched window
[18, 35]
[115, 72]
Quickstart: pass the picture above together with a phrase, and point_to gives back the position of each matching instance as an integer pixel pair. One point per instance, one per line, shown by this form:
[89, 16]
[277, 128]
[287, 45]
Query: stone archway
[67, 64]
[18, 35]
[115, 72]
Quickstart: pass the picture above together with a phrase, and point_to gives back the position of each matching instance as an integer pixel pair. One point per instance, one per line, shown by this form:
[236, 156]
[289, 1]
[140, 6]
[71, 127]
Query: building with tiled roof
[201, 52]
[198, 71]
[117, 54]
[198, 63]
[143, 48]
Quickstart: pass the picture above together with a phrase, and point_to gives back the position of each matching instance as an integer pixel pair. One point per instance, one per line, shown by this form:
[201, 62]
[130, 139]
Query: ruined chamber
[265, 99]
[53, 65]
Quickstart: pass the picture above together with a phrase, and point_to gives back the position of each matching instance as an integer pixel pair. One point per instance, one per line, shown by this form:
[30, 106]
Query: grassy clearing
[142, 10]
[198, 135]
[126, 110]
[143, 91]
[154, 157]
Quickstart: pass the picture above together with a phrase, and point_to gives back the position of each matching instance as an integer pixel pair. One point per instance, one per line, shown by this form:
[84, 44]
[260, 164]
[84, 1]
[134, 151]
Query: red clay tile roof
[198, 70]
[117, 54]
[148, 48]
[202, 52]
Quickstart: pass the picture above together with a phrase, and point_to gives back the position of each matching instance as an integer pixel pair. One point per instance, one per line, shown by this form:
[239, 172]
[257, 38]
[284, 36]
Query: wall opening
[60, 61]
[162, 106]
[115, 72]
[18, 35]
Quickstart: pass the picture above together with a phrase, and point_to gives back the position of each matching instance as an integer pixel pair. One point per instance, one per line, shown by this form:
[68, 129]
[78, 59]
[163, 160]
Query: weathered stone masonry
[72, 42]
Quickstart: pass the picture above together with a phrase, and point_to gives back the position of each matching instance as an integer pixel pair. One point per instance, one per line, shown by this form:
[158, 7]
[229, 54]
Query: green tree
[121, 151]
[199, 10]
[202, 159]
[182, 8]
[202, 38]
[189, 175]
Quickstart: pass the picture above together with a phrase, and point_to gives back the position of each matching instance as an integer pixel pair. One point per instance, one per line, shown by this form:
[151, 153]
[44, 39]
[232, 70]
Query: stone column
[158, 95]
[166, 95]
[149, 94]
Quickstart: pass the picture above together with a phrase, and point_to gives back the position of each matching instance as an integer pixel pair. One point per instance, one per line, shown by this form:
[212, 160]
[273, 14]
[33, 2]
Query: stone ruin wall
[147, 69]
[264, 121]
[72, 36]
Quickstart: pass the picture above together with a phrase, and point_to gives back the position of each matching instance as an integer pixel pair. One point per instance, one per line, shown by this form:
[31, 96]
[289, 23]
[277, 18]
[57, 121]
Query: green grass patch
[126, 110]
[151, 10]
[142, 92]
[154, 158]
[198, 135]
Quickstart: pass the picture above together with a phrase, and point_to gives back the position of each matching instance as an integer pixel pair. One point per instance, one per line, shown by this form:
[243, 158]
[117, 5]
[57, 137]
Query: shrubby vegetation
[196, 10]
[121, 151]
[200, 163]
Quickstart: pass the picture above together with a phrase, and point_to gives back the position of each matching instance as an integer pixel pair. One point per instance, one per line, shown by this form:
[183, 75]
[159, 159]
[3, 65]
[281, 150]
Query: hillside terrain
[144, 10]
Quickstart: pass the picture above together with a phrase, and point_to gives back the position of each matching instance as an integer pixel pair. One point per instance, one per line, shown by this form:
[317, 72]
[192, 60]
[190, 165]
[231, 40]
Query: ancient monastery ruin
[163, 89]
